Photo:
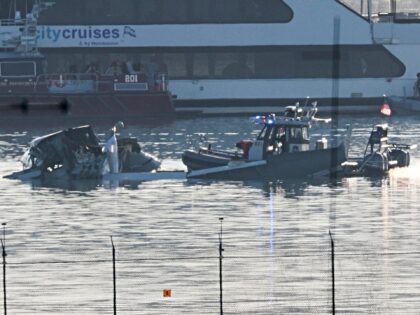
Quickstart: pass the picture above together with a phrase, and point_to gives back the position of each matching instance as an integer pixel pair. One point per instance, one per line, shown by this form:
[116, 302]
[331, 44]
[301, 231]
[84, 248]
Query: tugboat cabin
[19, 72]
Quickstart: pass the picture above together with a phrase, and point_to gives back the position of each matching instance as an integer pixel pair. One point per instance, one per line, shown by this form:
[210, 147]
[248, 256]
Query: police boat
[281, 150]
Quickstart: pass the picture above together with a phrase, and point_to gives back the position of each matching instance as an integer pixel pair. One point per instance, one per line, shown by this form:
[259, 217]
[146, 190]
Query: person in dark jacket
[417, 86]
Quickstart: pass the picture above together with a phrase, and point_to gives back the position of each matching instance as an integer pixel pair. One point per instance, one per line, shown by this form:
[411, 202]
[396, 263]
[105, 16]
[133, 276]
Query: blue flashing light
[270, 121]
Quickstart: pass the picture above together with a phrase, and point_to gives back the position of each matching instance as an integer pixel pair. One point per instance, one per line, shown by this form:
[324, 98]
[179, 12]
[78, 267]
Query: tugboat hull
[110, 104]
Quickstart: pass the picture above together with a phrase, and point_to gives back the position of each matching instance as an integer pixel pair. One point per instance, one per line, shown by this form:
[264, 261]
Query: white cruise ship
[245, 55]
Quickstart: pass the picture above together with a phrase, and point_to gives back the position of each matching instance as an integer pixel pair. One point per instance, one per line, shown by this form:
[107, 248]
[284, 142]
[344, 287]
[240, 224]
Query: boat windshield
[298, 134]
[268, 132]
[262, 133]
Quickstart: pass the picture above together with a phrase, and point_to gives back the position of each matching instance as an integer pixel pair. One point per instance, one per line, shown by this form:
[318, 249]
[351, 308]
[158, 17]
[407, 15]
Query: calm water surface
[277, 247]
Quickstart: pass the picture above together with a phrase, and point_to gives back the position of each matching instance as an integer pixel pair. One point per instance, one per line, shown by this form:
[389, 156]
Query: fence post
[332, 272]
[220, 265]
[114, 278]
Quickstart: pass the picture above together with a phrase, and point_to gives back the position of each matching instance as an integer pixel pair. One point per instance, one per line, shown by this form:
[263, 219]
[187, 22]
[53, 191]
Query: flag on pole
[385, 109]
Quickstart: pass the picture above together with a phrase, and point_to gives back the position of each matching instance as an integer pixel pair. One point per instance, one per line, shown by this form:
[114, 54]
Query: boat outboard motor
[401, 156]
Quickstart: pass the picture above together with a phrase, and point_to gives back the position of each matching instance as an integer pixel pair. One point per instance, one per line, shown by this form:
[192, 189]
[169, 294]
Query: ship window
[201, 65]
[176, 65]
[148, 10]
[373, 61]
[275, 64]
[233, 65]
[106, 12]
[269, 62]
[174, 11]
[222, 62]
[315, 63]
[202, 11]
[17, 69]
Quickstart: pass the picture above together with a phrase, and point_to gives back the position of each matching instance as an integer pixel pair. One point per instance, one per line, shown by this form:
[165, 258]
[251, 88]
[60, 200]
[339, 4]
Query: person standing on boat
[111, 148]
[417, 86]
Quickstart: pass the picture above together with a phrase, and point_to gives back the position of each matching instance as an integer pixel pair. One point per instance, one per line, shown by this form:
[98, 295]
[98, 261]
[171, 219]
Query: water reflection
[66, 184]
[291, 188]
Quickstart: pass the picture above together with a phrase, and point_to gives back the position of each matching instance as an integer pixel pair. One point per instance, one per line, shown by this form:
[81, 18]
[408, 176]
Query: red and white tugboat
[25, 86]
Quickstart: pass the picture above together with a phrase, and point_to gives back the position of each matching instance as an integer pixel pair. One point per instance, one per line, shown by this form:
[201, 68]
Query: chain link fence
[284, 281]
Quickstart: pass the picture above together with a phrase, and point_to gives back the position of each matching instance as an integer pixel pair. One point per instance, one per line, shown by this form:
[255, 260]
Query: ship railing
[14, 22]
[67, 82]
[399, 17]
[402, 11]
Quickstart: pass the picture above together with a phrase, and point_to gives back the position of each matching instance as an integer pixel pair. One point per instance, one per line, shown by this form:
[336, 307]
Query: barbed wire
[225, 257]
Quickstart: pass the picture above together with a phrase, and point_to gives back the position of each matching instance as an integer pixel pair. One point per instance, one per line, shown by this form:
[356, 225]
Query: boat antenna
[306, 101]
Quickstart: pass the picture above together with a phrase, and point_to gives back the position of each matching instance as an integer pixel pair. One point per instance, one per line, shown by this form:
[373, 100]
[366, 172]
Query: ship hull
[97, 105]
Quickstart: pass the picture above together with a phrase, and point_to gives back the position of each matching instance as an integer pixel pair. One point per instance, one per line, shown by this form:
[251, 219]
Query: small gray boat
[380, 155]
[281, 150]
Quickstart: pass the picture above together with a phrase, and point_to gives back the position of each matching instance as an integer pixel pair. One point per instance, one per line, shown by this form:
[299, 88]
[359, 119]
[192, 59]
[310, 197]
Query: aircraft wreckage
[76, 153]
